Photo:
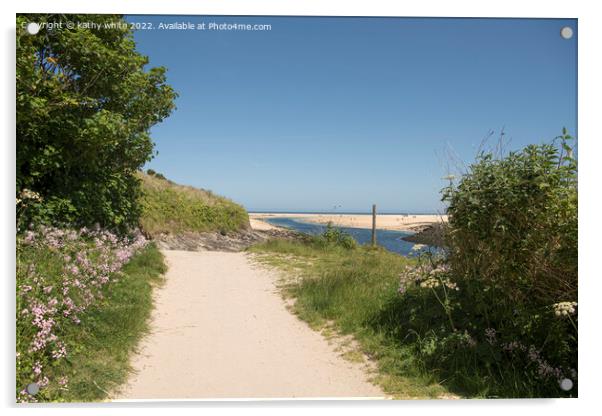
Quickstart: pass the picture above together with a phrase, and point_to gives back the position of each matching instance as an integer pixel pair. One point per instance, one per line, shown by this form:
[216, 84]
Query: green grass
[100, 346]
[108, 334]
[171, 208]
[349, 290]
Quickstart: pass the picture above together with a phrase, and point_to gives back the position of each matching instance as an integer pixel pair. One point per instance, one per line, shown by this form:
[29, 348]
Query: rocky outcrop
[230, 242]
[430, 235]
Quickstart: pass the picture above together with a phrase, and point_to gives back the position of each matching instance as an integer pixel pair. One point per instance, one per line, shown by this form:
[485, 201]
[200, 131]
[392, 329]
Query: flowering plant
[61, 274]
[527, 343]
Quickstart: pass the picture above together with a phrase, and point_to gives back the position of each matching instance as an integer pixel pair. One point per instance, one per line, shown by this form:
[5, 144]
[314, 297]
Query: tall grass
[171, 208]
[354, 290]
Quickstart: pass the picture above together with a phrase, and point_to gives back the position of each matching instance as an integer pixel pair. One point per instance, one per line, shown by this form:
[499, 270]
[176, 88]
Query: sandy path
[220, 329]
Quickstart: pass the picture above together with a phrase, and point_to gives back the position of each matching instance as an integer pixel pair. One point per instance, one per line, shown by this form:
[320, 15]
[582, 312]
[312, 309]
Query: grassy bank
[495, 315]
[353, 290]
[110, 333]
[171, 208]
[423, 343]
[83, 301]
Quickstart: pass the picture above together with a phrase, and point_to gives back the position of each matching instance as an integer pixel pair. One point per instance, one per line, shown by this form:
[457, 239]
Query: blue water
[391, 240]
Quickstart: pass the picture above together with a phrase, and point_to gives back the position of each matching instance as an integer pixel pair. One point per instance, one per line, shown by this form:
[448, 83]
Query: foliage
[170, 208]
[513, 222]
[507, 287]
[336, 236]
[85, 104]
[158, 175]
[462, 329]
[83, 297]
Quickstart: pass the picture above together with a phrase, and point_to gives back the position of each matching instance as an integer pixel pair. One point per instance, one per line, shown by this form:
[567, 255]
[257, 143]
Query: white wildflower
[564, 308]
[418, 247]
[430, 283]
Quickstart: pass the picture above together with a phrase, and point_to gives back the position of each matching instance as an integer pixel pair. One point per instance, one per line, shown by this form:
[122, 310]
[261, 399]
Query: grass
[171, 208]
[347, 290]
[108, 334]
[99, 347]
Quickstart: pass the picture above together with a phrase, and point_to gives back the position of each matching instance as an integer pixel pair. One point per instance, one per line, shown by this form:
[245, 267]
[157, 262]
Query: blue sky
[319, 112]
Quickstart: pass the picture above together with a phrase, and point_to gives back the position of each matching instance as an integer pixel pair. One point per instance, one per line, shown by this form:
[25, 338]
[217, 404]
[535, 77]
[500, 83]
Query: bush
[497, 315]
[336, 236]
[157, 175]
[85, 104]
[514, 223]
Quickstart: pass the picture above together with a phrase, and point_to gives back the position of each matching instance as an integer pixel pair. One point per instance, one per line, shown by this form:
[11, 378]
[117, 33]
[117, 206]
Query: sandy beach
[408, 222]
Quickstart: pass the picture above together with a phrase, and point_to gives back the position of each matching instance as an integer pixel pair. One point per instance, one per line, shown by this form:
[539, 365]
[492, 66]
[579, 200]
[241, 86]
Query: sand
[383, 222]
[221, 330]
[258, 224]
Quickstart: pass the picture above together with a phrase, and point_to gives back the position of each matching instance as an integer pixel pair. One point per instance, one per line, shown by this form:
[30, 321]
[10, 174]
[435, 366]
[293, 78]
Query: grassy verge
[171, 208]
[109, 333]
[83, 302]
[350, 290]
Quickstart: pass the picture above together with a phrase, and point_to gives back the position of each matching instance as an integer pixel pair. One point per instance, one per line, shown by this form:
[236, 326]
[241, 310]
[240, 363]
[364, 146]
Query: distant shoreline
[341, 213]
[394, 222]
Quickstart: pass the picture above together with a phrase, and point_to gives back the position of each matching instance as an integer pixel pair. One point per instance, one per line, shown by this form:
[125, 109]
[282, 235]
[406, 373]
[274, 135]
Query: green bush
[513, 223]
[85, 103]
[497, 315]
[336, 236]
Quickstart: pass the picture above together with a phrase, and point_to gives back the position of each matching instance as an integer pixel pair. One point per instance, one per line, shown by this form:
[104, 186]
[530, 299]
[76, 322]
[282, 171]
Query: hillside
[169, 208]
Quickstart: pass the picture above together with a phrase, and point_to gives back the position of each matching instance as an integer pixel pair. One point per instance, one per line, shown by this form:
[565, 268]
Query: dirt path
[220, 329]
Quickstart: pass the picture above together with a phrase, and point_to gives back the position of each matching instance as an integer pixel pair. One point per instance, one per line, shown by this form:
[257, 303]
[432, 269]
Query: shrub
[85, 103]
[336, 236]
[497, 315]
[514, 223]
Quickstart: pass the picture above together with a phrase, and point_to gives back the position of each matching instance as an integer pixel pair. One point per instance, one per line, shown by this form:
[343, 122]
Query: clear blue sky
[321, 112]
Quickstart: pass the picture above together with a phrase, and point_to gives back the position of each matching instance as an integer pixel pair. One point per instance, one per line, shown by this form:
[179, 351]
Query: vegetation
[171, 208]
[351, 289]
[493, 316]
[85, 104]
[512, 262]
[86, 100]
[337, 237]
[514, 223]
[83, 299]
[158, 175]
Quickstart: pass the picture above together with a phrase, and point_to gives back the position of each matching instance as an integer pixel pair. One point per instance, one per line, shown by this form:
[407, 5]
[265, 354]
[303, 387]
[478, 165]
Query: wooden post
[373, 225]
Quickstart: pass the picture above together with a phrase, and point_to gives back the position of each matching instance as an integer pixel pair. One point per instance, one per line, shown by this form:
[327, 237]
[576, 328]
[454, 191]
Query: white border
[590, 147]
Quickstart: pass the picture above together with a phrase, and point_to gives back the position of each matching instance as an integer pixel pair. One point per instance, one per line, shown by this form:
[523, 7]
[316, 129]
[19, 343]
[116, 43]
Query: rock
[431, 235]
[218, 241]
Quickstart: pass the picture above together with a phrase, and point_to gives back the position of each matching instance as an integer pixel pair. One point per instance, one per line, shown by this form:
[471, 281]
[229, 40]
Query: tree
[85, 104]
